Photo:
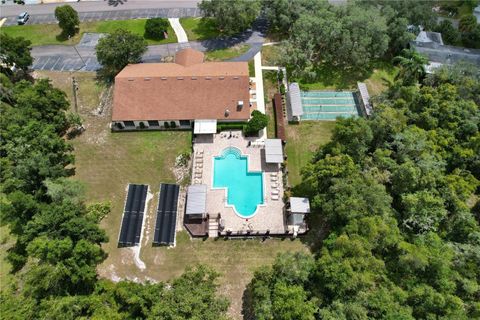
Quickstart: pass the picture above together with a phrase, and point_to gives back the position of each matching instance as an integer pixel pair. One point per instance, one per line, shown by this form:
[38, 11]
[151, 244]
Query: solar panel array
[166, 215]
[132, 221]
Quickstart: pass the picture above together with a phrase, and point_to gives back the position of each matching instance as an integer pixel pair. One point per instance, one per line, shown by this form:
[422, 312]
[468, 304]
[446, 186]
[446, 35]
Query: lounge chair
[273, 179]
[274, 191]
[274, 174]
[274, 185]
[275, 197]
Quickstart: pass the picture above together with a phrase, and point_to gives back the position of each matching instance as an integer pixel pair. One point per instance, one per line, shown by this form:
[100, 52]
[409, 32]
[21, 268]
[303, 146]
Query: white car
[23, 17]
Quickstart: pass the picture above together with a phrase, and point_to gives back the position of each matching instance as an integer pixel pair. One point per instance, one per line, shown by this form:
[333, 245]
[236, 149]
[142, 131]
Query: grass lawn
[270, 88]
[376, 77]
[199, 28]
[107, 162]
[226, 54]
[303, 140]
[270, 55]
[45, 34]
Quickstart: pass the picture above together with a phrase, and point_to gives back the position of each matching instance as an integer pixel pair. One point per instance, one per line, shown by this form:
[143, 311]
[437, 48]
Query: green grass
[45, 34]
[226, 54]
[199, 28]
[270, 88]
[329, 78]
[303, 140]
[270, 55]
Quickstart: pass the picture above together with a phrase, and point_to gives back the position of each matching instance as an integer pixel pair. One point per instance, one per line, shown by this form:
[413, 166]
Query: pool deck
[270, 215]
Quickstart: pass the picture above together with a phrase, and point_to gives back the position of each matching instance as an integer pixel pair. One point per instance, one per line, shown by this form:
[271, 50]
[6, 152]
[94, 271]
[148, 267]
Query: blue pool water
[244, 189]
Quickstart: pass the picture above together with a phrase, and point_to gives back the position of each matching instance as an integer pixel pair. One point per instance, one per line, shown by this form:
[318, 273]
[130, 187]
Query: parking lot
[113, 15]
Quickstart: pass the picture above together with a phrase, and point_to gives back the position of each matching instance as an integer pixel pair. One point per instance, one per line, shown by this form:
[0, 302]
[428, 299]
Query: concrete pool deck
[270, 215]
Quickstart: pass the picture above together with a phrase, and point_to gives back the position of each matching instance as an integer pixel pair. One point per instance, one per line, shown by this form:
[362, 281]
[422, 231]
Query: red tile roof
[186, 90]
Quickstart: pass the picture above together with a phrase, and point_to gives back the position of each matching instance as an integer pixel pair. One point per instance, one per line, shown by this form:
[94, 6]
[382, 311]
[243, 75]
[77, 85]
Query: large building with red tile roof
[166, 95]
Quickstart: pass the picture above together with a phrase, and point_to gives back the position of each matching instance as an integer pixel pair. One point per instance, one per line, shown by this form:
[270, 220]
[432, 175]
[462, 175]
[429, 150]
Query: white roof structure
[362, 87]
[431, 66]
[294, 101]
[426, 36]
[196, 199]
[299, 205]
[207, 126]
[273, 151]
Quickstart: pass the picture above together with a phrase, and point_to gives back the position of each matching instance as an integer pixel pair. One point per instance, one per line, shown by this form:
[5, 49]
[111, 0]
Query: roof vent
[208, 78]
[164, 78]
[240, 104]
[221, 78]
[179, 78]
[130, 79]
[227, 113]
[147, 79]
[236, 78]
[194, 78]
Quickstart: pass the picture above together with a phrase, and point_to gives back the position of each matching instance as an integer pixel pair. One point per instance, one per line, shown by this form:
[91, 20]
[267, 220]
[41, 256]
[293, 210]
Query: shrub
[282, 89]
[173, 124]
[166, 124]
[67, 19]
[142, 125]
[156, 28]
[257, 122]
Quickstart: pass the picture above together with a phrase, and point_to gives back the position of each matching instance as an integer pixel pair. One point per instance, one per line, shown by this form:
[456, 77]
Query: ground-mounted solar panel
[166, 215]
[132, 220]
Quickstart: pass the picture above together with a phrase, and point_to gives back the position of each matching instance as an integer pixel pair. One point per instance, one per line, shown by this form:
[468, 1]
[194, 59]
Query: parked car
[23, 17]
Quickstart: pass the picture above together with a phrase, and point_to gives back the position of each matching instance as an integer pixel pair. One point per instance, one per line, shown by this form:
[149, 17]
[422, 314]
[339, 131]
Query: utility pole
[75, 88]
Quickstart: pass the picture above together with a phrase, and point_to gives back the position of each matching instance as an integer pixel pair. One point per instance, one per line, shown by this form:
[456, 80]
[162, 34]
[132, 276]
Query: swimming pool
[244, 188]
[328, 105]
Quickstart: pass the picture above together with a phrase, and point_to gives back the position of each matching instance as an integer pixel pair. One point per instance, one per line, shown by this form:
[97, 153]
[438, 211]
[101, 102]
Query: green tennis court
[328, 105]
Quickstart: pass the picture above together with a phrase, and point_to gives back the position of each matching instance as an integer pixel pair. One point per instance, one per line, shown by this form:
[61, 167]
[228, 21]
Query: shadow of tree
[115, 3]
[247, 305]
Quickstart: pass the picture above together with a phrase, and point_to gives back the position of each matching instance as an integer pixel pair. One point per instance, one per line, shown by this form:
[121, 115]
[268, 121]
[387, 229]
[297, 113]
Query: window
[129, 123]
[153, 123]
[184, 123]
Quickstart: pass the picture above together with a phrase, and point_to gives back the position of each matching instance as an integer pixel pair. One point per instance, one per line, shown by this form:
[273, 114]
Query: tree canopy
[155, 28]
[118, 49]
[68, 19]
[231, 17]
[14, 53]
[398, 193]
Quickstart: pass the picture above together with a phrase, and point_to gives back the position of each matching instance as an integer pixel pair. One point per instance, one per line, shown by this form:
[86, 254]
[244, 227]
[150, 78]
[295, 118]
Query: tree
[14, 53]
[467, 23]
[155, 28]
[472, 39]
[117, 50]
[347, 37]
[68, 19]
[450, 34]
[257, 122]
[231, 17]
[412, 66]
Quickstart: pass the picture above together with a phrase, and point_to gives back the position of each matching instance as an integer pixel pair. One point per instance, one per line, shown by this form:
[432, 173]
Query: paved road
[65, 58]
[96, 6]
[120, 14]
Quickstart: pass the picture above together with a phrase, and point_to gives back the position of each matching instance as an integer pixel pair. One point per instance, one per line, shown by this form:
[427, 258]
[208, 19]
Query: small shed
[273, 151]
[294, 102]
[299, 207]
[196, 201]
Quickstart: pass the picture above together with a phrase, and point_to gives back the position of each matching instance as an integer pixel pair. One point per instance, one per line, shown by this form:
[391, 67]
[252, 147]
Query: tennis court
[328, 105]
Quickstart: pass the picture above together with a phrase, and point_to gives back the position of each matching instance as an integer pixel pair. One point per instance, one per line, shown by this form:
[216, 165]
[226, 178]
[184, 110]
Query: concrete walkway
[179, 31]
[259, 89]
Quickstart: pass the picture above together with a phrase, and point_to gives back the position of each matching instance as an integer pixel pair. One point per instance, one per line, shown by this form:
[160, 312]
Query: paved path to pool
[259, 91]
[179, 31]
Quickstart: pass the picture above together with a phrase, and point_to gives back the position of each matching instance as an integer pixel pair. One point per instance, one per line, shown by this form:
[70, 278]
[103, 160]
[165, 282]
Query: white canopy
[273, 151]
[207, 126]
[299, 205]
[196, 199]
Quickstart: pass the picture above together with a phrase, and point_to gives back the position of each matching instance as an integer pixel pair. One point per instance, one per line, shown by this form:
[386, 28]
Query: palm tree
[412, 66]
